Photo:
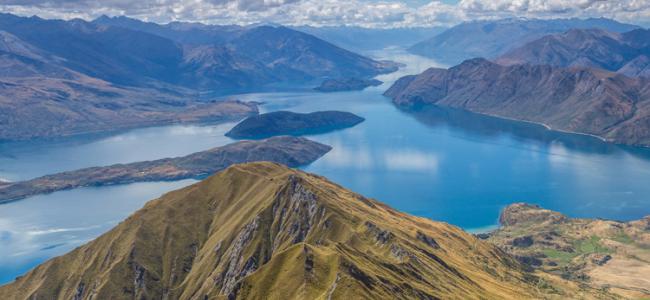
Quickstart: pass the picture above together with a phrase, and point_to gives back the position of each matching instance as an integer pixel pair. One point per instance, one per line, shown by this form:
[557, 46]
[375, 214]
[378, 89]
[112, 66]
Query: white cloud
[367, 13]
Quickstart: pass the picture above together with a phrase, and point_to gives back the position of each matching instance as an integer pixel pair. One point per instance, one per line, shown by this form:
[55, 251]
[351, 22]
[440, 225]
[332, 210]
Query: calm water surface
[444, 164]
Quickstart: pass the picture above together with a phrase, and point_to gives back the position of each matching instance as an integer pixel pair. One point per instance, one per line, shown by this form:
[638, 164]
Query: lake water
[443, 164]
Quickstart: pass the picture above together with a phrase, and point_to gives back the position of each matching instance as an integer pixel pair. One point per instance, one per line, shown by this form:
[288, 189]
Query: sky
[364, 13]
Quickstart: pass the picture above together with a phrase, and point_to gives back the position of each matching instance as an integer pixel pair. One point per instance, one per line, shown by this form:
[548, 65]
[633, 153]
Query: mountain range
[367, 39]
[491, 38]
[71, 77]
[627, 53]
[584, 100]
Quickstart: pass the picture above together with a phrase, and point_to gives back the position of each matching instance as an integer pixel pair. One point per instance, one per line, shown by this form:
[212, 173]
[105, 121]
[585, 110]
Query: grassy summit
[263, 231]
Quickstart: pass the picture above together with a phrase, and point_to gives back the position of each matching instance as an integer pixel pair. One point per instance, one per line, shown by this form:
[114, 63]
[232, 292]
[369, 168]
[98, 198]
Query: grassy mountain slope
[263, 231]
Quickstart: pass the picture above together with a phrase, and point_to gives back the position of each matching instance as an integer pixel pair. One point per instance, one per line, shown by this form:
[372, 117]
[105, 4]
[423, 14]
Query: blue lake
[443, 164]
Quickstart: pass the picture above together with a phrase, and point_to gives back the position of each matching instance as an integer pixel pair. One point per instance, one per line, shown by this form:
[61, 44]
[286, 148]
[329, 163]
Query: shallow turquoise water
[447, 165]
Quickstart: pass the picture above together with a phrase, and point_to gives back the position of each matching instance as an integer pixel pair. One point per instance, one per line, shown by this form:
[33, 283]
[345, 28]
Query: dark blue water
[444, 164]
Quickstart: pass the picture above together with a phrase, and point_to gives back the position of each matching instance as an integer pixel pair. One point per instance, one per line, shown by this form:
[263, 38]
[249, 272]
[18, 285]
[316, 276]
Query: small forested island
[291, 151]
[346, 84]
[291, 123]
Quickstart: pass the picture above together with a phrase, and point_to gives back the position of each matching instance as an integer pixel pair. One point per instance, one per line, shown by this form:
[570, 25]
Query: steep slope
[609, 105]
[601, 253]
[113, 54]
[296, 54]
[291, 151]
[262, 231]
[490, 39]
[594, 48]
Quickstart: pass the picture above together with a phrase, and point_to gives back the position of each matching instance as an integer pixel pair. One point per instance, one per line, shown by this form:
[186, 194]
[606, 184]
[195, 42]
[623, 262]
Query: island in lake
[346, 84]
[291, 123]
[291, 151]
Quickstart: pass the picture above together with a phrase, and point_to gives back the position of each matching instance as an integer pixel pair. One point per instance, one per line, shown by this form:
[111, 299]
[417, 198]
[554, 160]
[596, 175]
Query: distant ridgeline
[588, 81]
[71, 77]
[492, 38]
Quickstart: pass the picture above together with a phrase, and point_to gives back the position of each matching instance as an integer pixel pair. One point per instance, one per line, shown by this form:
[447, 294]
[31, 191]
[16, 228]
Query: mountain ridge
[260, 230]
[489, 39]
[581, 100]
[626, 53]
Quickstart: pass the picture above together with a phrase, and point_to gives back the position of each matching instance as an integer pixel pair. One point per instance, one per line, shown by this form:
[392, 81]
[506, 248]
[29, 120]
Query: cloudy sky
[366, 13]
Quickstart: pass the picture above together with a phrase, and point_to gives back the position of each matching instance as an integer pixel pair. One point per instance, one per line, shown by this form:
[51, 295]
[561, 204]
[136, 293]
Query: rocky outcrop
[583, 100]
[346, 84]
[290, 151]
[596, 253]
[290, 123]
[261, 230]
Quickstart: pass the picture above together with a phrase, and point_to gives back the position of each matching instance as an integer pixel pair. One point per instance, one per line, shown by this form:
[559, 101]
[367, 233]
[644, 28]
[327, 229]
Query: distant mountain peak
[492, 38]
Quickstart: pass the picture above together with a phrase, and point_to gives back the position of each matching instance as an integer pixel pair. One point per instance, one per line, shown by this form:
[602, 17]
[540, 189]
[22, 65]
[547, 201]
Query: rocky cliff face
[609, 105]
[261, 230]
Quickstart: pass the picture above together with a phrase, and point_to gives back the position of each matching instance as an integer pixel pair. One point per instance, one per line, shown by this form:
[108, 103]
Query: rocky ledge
[291, 151]
[346, 84]
[290, 123]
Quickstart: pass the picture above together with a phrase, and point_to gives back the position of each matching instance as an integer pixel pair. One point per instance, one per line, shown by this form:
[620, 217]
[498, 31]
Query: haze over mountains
[114, 73]
[627, 53]
[489, 39]
[365, 39]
